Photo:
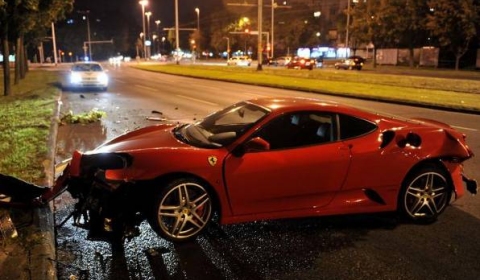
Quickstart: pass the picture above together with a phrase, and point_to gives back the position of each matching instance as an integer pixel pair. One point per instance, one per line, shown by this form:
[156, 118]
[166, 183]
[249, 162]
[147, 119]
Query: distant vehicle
[279, 61]
[301, 63]
[352, 62]
[239, 61]
[88, 75]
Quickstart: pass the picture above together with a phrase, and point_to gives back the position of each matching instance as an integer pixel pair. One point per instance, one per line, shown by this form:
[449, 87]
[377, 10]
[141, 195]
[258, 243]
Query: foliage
[89, 117]
[453, 23]
[19, 17]
[25, 120]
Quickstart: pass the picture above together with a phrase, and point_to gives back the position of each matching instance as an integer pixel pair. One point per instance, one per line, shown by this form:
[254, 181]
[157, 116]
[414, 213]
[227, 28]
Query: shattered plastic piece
[156, 119]
[7, 228]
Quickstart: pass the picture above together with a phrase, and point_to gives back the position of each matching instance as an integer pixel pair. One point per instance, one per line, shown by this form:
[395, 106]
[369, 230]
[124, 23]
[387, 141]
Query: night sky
[163, 10]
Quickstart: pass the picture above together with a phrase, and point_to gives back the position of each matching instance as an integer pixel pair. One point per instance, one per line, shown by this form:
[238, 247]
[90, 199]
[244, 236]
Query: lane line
[147, 88]
[464, 128]
[198, 100]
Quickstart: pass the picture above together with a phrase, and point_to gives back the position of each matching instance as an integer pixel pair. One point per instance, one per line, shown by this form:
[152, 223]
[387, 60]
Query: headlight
[75, 78]
[102, 78]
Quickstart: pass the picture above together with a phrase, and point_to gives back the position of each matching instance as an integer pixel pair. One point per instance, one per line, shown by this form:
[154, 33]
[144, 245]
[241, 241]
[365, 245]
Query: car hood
[151, 137]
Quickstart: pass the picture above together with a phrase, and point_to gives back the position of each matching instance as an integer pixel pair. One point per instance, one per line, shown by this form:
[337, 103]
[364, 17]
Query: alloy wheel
[426, 196]
[184, 211]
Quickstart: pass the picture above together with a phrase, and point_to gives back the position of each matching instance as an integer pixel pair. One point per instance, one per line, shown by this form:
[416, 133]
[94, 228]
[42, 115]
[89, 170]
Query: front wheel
[425, 195]
[182, 210]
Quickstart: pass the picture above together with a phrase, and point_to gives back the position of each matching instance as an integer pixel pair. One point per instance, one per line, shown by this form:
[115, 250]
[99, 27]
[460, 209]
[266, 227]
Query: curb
[42, 254]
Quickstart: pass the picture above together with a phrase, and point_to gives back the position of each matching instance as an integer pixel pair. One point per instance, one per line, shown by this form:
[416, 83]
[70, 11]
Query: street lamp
[348, 24]
[148, 14]
[197, 10]
[228, 47]
[177, 39]
[85, 17]
[157, 22]
[144, 3]
[274, 5]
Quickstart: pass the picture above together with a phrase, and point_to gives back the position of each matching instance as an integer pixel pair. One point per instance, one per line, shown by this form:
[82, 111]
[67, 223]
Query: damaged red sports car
[268, 159]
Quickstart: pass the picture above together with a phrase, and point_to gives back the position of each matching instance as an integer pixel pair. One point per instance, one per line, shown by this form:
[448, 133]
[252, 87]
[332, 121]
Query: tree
[410, 24]
[453, 23]
[19, 17]
[368, 24]
[390, 23]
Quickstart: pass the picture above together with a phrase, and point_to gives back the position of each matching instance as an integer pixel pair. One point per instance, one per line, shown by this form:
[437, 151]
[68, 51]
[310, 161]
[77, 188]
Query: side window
[351, 127]
[298, 129]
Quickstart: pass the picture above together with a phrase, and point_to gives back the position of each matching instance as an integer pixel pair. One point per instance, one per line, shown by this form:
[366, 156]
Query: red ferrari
[267, 159]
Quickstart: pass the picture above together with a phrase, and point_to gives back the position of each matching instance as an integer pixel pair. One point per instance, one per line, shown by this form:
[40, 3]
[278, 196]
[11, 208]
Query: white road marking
[465, 128]
[147, 88]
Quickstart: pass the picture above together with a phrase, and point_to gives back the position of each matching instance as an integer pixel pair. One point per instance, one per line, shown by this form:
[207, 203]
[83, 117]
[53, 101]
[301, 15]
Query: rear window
[351, 127]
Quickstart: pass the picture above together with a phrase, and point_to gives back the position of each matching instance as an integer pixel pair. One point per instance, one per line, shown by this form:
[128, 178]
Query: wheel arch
[432, 163]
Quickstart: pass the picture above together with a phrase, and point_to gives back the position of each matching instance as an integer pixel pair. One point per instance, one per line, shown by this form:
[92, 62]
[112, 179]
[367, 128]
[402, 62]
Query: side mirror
[256, 144]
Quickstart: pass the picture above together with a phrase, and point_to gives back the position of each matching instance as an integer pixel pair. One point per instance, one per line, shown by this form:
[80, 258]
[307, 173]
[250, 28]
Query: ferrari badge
[212, 160]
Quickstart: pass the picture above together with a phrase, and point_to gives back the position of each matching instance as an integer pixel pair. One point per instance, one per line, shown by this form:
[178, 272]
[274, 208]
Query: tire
[182, 210]
[425, 195]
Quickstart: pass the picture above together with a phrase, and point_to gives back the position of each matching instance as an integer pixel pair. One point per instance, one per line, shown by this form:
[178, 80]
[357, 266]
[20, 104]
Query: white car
[239, 61]
[88, 75]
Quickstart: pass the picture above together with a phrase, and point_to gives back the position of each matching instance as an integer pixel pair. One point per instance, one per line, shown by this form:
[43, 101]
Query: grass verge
[25, 120]
[445, 90]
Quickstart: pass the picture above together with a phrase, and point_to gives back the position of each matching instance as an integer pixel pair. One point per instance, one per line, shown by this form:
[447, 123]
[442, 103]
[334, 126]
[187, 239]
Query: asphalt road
[346, 247]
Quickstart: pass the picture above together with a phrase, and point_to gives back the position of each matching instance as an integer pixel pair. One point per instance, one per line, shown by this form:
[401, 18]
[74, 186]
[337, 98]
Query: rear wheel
[425, 194]
[182, 210]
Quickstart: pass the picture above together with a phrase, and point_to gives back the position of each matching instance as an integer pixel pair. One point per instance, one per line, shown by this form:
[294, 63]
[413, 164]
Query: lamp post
[85, 17]
[177, 39]
[157, 22]
[274, 5]
[228, 47]
[197, 10]
[348, 23]
[148, 14]
[144, 3]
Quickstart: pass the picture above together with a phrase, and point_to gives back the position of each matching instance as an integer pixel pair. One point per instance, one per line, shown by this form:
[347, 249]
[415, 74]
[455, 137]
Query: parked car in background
[239, 61]
[352, 62]
[278, 61]
[88, 75]
[301, 63]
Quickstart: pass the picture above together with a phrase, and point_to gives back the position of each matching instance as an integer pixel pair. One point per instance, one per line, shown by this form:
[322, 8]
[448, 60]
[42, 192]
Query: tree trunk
[374, 57]
[18, 61]
[7, 87]
[25, 61]
[411, 61]
[22, 57]
[457, 61]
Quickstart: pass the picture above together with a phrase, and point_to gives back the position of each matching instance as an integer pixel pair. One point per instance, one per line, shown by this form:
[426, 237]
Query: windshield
[223, 127]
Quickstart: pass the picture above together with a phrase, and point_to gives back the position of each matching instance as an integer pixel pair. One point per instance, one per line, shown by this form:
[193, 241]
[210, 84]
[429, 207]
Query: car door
[295, 173]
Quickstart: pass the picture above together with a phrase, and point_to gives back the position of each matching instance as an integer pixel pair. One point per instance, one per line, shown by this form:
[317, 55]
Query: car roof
[294, 103]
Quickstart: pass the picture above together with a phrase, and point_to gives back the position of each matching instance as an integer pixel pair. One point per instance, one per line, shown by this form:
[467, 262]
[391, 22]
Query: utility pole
[348, 25]
[260, 48]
